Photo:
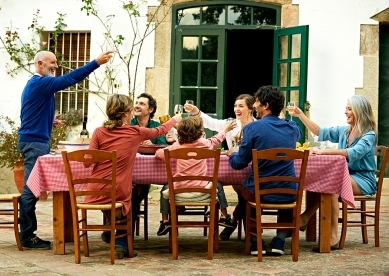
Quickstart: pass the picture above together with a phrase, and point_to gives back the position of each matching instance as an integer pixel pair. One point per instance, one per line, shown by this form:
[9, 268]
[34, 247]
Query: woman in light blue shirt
[357, 143]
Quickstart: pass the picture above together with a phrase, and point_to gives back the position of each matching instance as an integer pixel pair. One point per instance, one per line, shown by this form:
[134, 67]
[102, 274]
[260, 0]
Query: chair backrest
[279, 154]
[78, 158]
[197, 154]
[383, 153]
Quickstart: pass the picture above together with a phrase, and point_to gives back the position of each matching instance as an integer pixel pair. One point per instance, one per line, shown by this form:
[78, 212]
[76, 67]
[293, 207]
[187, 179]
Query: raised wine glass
[178, 108]
[290, 107]
[188, 102]
[109, 48]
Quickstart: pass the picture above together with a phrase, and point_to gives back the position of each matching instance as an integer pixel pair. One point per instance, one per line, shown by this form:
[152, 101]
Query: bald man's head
[45, 63]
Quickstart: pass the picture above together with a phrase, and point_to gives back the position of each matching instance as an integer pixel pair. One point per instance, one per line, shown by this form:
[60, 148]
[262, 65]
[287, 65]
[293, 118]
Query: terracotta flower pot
[19, 175]
[19, 179]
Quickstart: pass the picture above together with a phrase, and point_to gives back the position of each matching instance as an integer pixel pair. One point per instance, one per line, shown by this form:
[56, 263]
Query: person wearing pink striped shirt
[190, 134]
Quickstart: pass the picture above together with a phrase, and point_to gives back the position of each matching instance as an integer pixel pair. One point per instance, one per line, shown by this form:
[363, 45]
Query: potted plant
[10, 156]
[73, 118]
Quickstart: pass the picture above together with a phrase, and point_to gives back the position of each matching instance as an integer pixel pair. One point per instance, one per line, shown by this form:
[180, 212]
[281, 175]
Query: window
[232, 14]
[73, 51]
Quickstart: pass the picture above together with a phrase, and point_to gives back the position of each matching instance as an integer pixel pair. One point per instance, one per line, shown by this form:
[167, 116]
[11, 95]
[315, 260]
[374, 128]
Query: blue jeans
[30, 152]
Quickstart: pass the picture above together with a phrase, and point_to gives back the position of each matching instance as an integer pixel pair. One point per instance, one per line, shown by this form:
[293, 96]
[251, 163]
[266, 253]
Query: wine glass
[188, 102]
[290, 107]
[178, 108]
[109, 48]
[117, 83]
[164, 118]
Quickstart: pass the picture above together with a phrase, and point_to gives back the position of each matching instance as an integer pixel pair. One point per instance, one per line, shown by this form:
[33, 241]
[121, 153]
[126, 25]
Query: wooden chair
[14, 212]
[280, 155]
[372, 213]
[189, 211]
[95, 156]
[212, 223]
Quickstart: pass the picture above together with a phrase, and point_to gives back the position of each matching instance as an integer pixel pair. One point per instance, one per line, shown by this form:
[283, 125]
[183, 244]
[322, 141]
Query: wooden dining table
[325, 175]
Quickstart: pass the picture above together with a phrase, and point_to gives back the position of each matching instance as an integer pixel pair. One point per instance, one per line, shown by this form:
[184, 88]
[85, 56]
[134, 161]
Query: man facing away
[268, 132]
[37, 120]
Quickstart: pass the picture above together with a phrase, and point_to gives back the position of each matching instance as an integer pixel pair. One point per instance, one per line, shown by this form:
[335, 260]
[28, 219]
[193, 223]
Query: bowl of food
[79, 144]
[150, 149]
[73, 147]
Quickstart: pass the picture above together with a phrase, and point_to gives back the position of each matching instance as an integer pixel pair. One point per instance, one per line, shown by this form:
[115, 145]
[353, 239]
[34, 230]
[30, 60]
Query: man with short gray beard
[37, 120]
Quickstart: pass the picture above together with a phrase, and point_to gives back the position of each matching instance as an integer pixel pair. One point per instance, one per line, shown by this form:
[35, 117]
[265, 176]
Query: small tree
[115, 42]
[22, 53]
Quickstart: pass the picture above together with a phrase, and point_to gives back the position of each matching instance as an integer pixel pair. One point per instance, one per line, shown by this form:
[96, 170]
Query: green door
[199, 70]
[290, 66]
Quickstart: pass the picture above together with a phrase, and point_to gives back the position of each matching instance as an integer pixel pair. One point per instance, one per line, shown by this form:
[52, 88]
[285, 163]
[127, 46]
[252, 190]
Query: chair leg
[85, 233]
[112, 243]
[258, 230]
[205, 220]
[174, 238]
[15, 202]
[130, 238]
[377, 225]
[170, 242]
[137, 222]
[248, 227]
[76, 233]
[145, 218]
[211, 236]
[295, 244]
[363, 221]
[344, 226]
[216, 232]
[240, 229]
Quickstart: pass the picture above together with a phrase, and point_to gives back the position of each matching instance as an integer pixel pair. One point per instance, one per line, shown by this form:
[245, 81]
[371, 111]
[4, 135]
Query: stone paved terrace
[154, 258]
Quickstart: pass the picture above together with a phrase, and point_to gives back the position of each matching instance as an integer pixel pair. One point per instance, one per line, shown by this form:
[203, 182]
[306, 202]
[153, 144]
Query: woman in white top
[243, 109]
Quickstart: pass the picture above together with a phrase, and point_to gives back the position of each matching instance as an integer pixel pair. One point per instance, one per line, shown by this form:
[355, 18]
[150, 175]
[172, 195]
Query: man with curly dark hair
[268, 132]
[190, 135]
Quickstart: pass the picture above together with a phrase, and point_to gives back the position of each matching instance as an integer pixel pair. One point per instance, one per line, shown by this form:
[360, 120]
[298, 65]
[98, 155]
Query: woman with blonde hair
[356, 141]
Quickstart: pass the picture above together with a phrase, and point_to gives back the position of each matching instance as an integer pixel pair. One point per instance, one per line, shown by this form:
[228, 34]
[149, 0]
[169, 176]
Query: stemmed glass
[290, 107]
[109, 48]
[178, 108]
[188, 102]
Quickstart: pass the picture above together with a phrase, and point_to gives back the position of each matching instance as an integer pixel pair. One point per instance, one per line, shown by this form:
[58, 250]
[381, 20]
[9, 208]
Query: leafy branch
[115, 42]
[22, 53]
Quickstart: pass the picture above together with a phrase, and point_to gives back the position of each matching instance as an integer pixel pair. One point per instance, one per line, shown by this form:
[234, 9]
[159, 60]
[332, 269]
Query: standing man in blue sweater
[37, 120]
[268, 132]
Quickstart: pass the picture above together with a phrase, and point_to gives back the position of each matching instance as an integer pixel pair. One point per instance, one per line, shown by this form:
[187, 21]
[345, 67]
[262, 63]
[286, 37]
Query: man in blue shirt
[268, 132]
[37, 120]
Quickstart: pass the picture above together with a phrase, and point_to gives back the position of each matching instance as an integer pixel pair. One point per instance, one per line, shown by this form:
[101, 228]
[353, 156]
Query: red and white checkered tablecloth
[325, 174]
[328, 174]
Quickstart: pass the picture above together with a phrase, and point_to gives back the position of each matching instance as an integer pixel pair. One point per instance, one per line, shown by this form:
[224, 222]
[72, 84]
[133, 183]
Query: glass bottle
[84, 133]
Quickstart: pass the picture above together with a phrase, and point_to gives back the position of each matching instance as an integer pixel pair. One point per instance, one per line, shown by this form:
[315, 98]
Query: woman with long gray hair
[356, 141]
